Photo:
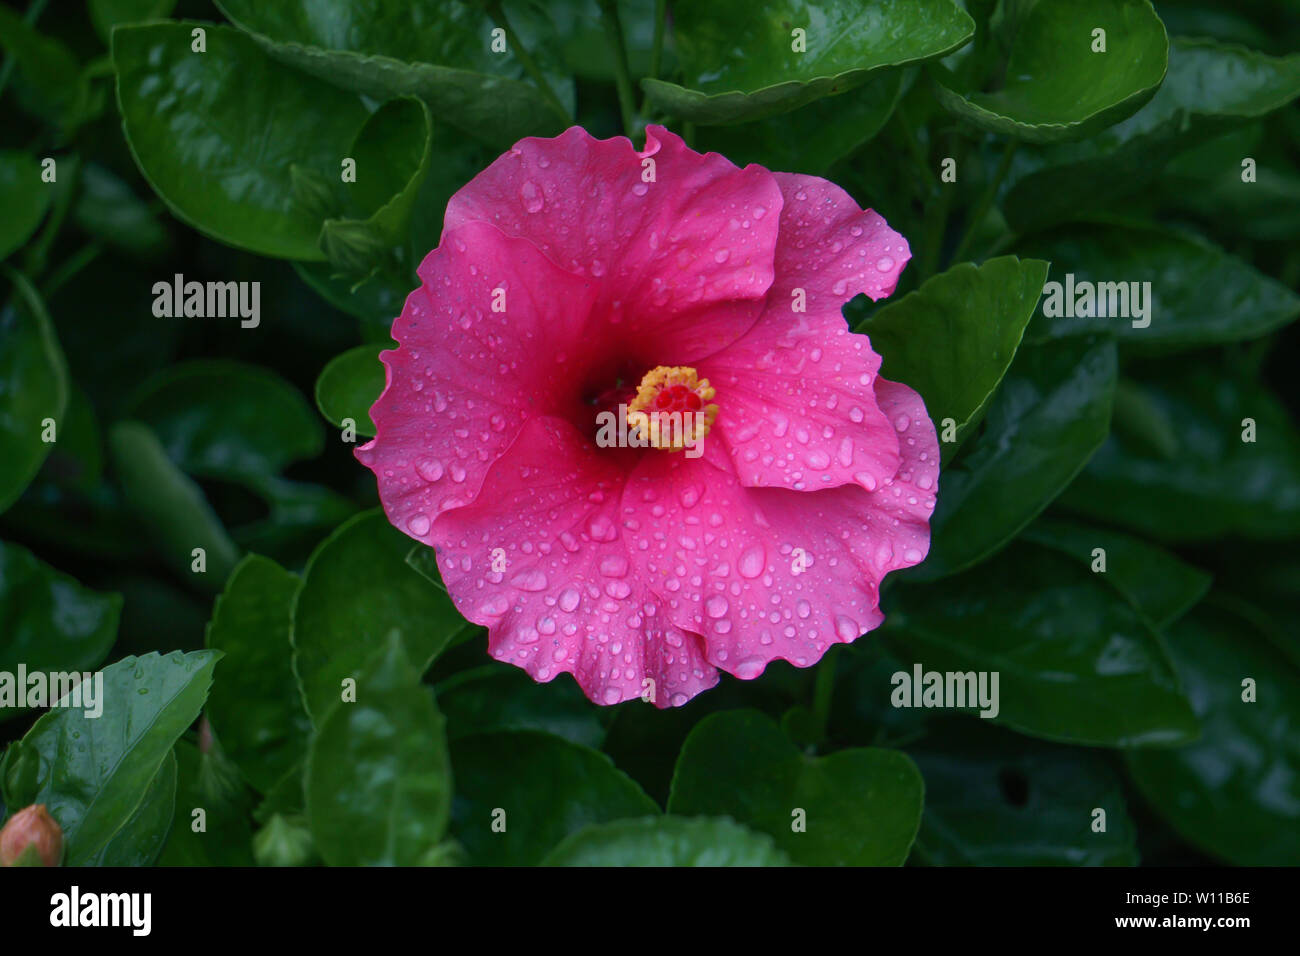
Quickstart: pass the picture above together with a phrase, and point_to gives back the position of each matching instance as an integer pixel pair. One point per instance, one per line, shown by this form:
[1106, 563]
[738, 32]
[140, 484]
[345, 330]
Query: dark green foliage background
[1119, 691]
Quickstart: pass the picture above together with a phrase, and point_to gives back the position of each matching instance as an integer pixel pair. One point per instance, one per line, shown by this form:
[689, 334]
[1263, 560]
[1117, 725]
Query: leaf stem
[981, 207]
[622, 75]
[530, 65]
[913, 146]
[824, 692]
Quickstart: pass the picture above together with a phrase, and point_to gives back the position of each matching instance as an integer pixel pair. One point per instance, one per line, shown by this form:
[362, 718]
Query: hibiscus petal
[566, 601]
[796, 407]
[831, 248]
[683, 262]
[766, 573]
[466, 377]
[795, 400]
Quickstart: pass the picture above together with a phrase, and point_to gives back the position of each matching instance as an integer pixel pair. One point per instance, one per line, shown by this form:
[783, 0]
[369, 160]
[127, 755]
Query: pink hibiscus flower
[579, 281]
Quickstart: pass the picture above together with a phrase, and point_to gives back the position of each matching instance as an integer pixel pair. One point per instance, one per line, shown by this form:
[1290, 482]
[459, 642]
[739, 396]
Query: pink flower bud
[31, 838]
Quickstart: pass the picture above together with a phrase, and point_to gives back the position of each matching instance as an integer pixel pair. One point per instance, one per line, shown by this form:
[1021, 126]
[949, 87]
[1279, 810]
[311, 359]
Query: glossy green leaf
[357, 589]
[254, 707]
[392, 158]
[170, 505]
[499, 697]
[1208, 183]
[223, 419]
[300, 513]
[741, 59]
[666, 841]
[1057, 83]
[106, 14]
[143, 835]
[1048, 417]
[1190, 292]
[221, 835]
[1235, 793]
[814, 137]
[858, 807]
[438, 51]
[23, 197]
[1162, 587]
[994, 798]
[378, 778]
[1210, 87]
[216, 147]
[49, 622]
[1212, 483]
[349, 385]
[94, 772]
[954, 338]
[542, 788]
[1076, 661]
[33, 388]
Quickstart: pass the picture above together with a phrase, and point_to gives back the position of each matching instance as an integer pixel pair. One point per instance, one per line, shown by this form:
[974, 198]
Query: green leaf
[1056, 85]
[299, 514]
[95, 772]
[741, 61]
[107, 209]
[143, 836]
[953, 339]
[1047, 419]
[994, 798]
[437, 51]
[1210, 88]
[349, 385]
[666, 841]
[106, 14]
[1159, 585]
[378, 778]
[501, 697]
[1206, 183]
[1215, 484]
[814, 137]
[1193, 293]
[1076, 662]
[357, 589]
[51, 84]
[49, 622]
[205, 118]
[860, 807]
[546, 788]
[23, 197]
[76, 460]
[1235, 793]
[254, 706]
[170, 505]
[391, 149]
[208, 782]
[33, 388]
[223, 419]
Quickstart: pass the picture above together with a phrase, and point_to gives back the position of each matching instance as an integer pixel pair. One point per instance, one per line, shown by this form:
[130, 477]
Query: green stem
[656, 50]
[981, 208]
[913, 146]
[530, 65]
[622, 75]
[823, 693]
[688, 134]
[67, 269]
